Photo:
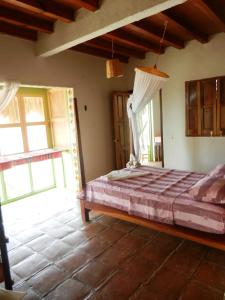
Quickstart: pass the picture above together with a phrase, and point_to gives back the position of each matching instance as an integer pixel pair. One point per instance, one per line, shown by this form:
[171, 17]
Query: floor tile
[159, 248]
[166, 284]
[49, 225]
[124, 226]
[76, 238]
[195, 290]
[12, 244]
[40, 243]
[73, 261]
[212, 275]
[94, 273]
[30, 266]
[216, 256]
[94, 247]
[19, 254]
[29, 235]
[94, 228]
[56, 250]
[144, 232]
[16, 279]
[66, 217]
[71, 289]
[109, 221]
[111, 235]
[46, 280]
[187, 258]
[60, 232]
[75, 224]
[126, 281]
[31, 295]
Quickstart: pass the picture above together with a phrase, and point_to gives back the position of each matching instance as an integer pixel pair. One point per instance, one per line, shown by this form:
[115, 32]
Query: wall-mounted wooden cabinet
[205, 107]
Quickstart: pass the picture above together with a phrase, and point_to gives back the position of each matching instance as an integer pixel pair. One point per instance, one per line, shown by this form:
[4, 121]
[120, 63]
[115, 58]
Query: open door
[121, 129]
[64, 133]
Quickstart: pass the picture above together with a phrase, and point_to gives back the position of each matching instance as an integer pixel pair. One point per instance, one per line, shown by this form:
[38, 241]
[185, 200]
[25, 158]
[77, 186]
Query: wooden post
[84, 211]
[161, 126]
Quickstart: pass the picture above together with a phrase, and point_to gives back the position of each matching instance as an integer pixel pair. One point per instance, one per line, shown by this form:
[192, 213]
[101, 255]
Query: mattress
[161, 195]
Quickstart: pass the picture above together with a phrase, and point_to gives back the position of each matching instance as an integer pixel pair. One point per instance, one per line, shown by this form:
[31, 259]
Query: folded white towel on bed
[123, 174]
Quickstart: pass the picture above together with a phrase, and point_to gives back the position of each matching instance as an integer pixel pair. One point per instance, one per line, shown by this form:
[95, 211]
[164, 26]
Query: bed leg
[84, 212]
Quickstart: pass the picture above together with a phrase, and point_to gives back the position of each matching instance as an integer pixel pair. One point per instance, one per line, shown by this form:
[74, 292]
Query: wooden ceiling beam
[209, 12]
[10, 29]
[98, 52]
[49, 8]
[112, 16]
[133, 41]
[91, 5]
[186, 28]
[105, 45]
[25, 20]
[144, 27]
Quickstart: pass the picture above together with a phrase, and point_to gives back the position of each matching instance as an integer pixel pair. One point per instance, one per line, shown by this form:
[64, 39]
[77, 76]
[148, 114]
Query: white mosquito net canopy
[148, 81]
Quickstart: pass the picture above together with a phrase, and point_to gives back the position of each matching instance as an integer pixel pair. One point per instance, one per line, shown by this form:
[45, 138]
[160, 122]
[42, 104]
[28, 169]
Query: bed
[158, 200]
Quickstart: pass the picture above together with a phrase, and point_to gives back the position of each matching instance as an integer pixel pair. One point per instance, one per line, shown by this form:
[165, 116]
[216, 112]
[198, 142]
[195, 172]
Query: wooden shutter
[221, 106]
[192, 108]
[208, 107]
[205, 107]
[121, 129]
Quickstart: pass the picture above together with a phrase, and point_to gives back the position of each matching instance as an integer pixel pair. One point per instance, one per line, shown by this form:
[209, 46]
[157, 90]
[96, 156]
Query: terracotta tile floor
[54, 257]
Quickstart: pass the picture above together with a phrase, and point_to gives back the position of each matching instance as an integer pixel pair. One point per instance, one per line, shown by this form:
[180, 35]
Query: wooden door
[121, 129]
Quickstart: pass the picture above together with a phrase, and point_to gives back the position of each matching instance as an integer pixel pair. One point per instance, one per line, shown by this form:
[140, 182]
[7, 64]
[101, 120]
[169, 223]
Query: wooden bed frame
[209, 239]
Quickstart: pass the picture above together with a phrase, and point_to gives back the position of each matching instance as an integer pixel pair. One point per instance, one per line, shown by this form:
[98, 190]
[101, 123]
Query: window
[205, 107]
[24, 124]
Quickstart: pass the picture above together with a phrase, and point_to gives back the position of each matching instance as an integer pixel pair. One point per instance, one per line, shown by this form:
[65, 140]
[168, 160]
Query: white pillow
[11, 295]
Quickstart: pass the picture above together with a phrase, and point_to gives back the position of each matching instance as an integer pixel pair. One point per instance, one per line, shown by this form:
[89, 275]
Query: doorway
[38, 147]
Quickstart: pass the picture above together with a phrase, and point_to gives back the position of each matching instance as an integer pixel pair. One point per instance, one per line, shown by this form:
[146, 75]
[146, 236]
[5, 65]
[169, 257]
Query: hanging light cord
[161, 43]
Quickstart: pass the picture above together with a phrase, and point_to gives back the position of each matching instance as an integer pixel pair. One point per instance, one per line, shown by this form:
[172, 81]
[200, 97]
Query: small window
[37, 137]
[24, 124]
[34, 109]
[11, 140]
[10, 115]
[205, 107]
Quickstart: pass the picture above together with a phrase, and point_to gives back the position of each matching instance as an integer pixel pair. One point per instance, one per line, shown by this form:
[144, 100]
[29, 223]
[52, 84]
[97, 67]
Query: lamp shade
[113, 68]
[153, 71]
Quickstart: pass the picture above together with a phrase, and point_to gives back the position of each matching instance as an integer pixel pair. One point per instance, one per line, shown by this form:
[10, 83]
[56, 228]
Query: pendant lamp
[113, 66]
[153, 70]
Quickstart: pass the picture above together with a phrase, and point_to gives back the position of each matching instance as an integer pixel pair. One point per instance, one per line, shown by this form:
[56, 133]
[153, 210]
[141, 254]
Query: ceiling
[26, 18]
[194, 19]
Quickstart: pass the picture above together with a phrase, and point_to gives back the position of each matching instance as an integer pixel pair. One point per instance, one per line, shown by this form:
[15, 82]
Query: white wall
[84, 73]
[195, 61]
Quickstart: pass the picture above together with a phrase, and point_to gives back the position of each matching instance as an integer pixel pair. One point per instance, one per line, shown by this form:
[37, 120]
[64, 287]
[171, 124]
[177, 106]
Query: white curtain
[7, 94]
[145, 87]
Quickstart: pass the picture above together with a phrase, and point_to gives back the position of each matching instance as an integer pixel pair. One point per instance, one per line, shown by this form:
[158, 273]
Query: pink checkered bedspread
[162, 196]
